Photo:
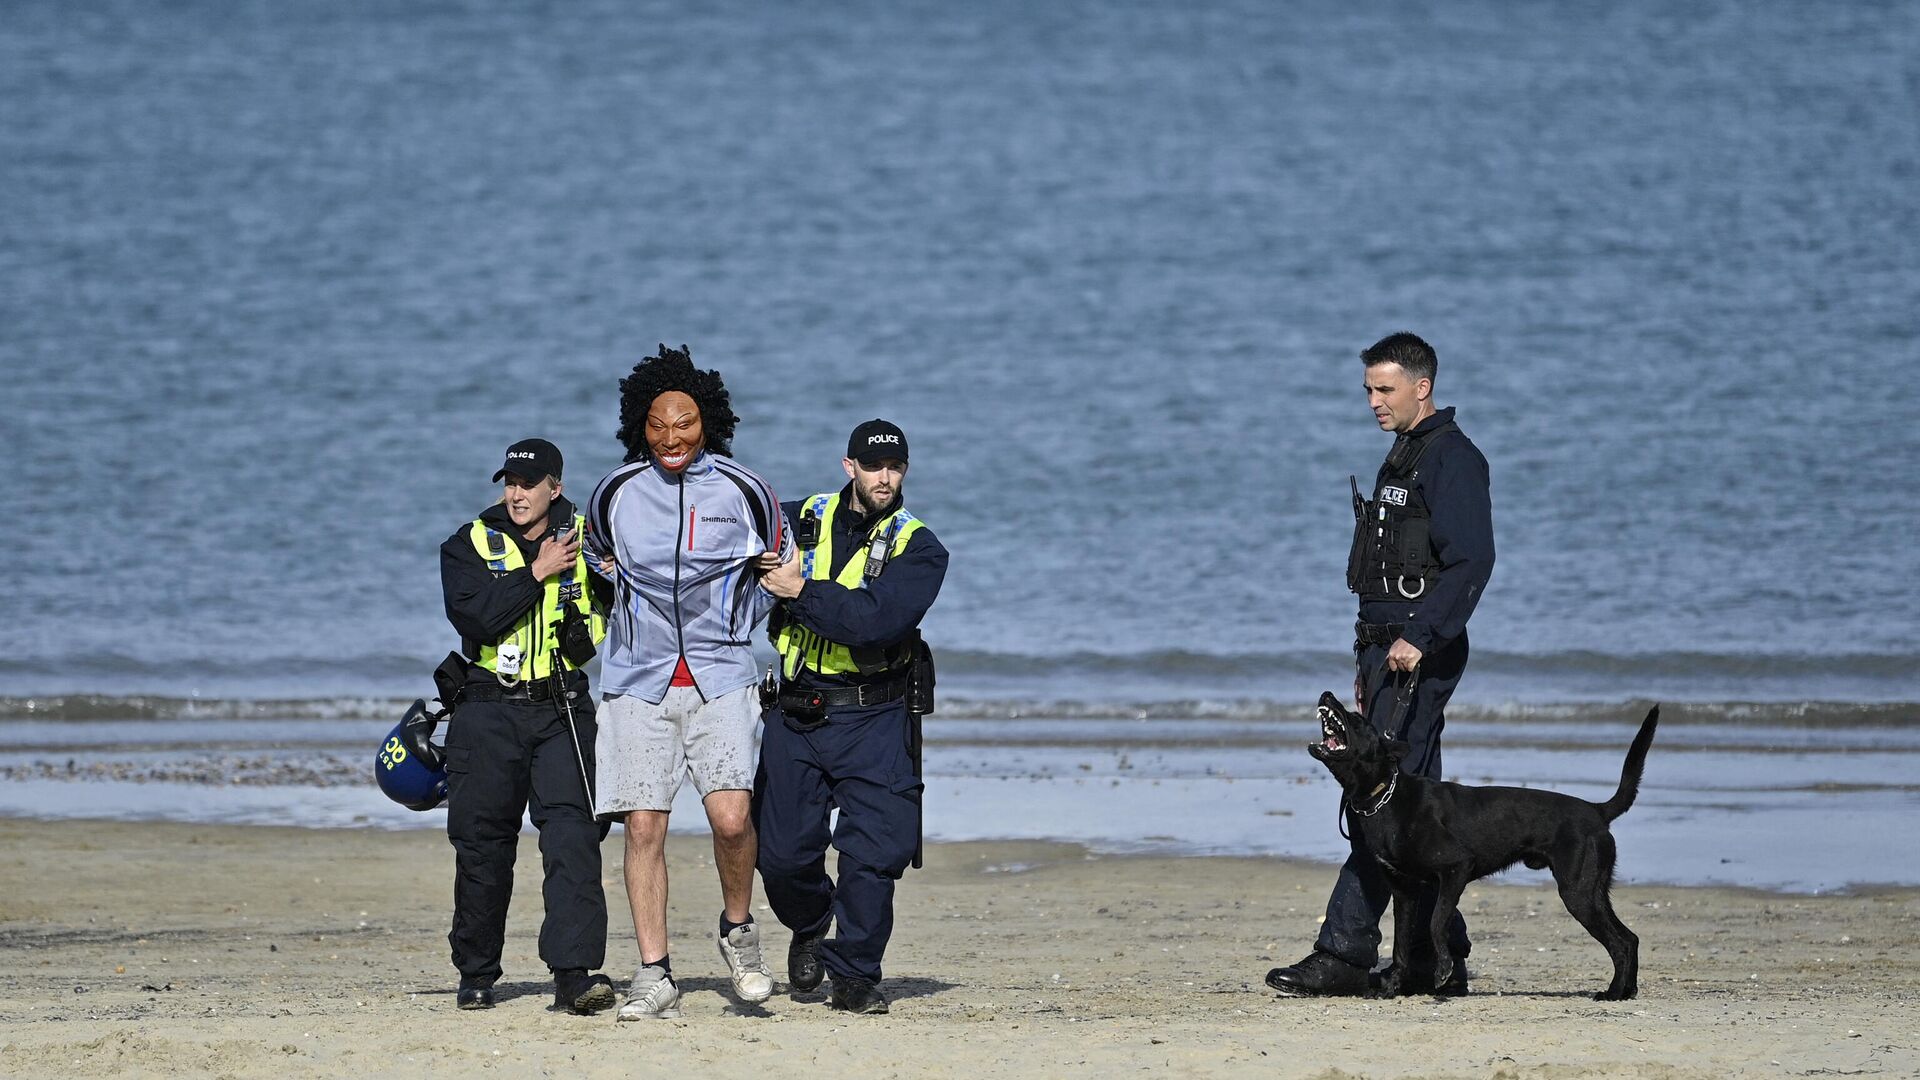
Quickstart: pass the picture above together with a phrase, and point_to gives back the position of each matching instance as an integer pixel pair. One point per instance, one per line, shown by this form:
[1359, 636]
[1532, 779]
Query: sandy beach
[183, 950]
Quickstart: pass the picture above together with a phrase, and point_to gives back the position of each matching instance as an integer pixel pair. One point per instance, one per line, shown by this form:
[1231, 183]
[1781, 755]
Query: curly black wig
[673, 370]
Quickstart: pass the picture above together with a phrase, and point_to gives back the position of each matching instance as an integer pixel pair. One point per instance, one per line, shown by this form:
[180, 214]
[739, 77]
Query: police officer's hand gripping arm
[600, 558]
[882, 612]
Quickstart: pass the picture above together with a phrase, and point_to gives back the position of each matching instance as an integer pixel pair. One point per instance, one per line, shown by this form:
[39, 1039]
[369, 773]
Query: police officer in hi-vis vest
[839, 733]
[1422, 554]
[521, 737]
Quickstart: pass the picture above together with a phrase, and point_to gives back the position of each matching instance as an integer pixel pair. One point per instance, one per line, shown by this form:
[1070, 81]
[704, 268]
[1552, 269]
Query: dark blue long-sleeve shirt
[1454, 482]
[887, 608]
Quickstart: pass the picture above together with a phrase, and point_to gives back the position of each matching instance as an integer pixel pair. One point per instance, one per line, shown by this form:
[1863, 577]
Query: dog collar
[1392, 783]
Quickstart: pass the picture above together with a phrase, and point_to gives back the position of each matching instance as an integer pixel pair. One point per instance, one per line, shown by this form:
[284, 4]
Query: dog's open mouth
[1333, 737]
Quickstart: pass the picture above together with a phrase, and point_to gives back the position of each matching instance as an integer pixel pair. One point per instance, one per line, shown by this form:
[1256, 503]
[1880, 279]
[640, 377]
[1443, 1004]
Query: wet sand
[188, 950]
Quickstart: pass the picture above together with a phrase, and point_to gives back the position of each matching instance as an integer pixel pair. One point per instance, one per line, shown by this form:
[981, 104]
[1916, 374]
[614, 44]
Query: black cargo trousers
[507, 758]
[1361, 894]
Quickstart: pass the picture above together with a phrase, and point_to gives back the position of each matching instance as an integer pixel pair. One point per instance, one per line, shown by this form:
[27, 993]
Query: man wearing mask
[677, 528]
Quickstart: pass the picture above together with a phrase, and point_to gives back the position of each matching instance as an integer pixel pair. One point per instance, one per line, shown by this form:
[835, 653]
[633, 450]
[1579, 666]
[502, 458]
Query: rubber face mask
[675, 435]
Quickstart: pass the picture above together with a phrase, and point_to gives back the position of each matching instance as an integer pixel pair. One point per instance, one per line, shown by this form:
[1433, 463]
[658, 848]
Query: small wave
[108, 665]
[83, 707]
[1811, 714]
[1181, 665]
[1167, 664]
[1706, 665]
[99, 707]
[1837, 714]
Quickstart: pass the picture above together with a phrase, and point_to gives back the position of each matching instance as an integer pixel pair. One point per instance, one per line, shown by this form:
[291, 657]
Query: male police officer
[519, 593]
[839, 734]
[1422, 553]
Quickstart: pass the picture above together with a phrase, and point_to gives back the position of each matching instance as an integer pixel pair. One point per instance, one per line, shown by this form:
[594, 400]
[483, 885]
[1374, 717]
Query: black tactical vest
[1392, 556]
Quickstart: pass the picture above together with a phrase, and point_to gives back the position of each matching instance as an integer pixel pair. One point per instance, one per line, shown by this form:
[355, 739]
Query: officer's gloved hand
[416, 733]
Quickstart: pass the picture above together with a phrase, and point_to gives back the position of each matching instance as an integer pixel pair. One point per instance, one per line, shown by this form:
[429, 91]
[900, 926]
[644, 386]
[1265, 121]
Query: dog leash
[1396, 720]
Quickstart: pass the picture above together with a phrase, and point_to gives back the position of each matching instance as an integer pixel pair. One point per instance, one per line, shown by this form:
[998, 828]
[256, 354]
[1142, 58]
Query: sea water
[281, 282]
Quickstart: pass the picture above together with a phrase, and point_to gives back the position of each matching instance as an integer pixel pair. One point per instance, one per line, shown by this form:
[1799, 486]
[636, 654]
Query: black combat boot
[580, 992]
[475, 995]
[857, 995]
[803, 961]
[1319, 975]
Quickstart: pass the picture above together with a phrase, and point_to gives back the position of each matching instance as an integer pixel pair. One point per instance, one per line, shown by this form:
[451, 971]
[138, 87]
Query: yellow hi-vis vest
[800, 646]
[538, 631]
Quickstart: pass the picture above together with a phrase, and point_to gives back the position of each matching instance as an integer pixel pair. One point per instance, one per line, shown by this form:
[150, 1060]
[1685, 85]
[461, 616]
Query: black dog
[1430, 832]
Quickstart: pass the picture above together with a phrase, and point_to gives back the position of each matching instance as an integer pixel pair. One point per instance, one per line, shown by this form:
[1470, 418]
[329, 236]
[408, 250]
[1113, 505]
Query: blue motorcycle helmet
[409, 768]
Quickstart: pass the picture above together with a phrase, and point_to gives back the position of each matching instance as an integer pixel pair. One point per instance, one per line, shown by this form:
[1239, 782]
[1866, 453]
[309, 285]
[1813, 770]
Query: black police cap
[877, 439]
[531, 460]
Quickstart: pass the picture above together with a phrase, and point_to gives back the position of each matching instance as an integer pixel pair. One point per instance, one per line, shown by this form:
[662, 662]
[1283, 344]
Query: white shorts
[643, 751]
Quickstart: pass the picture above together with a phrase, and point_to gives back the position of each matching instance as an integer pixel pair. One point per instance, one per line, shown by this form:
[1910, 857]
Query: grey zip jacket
[680, 546]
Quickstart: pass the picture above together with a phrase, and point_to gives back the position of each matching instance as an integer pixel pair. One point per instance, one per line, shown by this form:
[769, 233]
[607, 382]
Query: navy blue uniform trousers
[506, 758]
[1361, 895]
[859, 763]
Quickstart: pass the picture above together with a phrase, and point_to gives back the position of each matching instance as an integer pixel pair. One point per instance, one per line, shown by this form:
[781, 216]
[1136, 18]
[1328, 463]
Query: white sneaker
[752, 982]
[653, 996]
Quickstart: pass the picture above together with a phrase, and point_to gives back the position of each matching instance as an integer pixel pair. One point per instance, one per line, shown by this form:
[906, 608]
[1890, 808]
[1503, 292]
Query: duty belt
[531, 690]
[1366, 633]
[873, 693]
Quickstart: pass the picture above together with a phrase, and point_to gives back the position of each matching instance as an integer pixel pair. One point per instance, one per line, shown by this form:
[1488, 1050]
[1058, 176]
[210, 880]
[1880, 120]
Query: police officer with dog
[842, 716]
[521, 739]
[1422, 554]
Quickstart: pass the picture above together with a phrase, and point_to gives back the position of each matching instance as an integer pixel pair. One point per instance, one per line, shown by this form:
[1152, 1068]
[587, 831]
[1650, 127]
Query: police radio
[877, 552]
[572, 630]
[1406, 450]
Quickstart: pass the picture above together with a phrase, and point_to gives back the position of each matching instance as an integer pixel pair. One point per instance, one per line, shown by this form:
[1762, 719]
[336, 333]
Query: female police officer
[518, 591]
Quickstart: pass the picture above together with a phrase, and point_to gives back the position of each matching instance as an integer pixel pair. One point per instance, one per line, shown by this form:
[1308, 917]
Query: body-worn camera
[806, 532]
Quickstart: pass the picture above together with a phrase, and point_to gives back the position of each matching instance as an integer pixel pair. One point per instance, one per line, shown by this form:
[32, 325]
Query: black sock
[728, 927]
[665, 964]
